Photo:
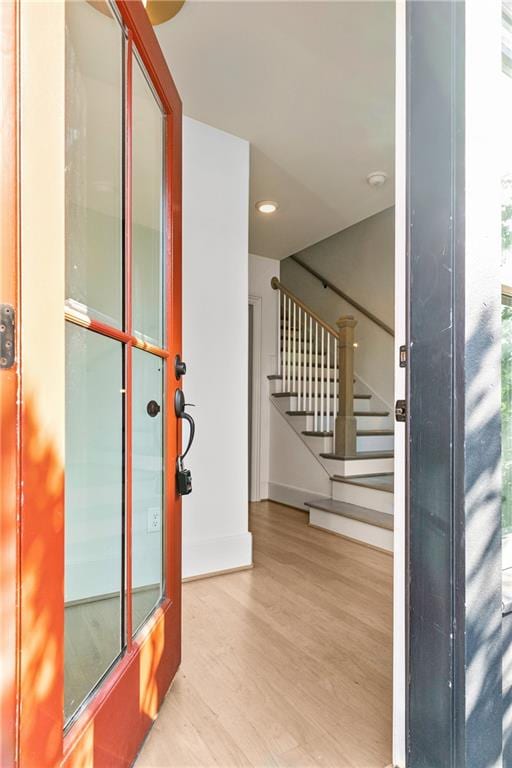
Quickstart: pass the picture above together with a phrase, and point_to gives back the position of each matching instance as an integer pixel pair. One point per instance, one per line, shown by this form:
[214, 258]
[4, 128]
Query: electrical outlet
[154, 519]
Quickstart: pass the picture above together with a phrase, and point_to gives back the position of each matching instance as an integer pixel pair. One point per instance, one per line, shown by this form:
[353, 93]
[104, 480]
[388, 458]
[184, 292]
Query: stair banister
[346, 426]
[334, 288]
[311, 355]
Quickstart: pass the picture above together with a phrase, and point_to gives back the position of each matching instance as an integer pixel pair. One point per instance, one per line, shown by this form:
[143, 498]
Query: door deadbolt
[153, 408]
[401, 410]
[180, 367]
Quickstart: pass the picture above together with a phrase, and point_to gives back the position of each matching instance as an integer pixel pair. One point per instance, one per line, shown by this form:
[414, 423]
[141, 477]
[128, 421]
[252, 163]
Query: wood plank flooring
[288, 664]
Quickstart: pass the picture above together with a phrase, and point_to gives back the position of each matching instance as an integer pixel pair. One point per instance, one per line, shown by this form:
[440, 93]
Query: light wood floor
[288, 664]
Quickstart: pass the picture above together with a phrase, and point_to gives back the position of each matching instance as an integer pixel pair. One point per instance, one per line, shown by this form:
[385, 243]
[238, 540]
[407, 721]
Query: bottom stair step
[380, 481]
[360, 455]
[354, 512]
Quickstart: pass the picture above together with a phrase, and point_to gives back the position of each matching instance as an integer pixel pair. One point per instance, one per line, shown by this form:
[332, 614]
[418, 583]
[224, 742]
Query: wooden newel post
[346, 429]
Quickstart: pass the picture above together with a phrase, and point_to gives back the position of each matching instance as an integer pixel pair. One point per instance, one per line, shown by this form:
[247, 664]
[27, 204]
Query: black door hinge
[7, 347]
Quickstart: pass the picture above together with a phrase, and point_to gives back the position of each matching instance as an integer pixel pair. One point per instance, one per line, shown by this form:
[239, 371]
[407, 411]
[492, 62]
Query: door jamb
[255, 489]
[400, 598]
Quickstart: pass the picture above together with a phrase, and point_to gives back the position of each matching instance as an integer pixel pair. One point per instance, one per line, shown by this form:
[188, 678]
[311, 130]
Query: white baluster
[283, 341]
[316, 378]
[328, 399]
[294, 381]
[279, 332]
[322, 406]
[299, 369]
[289, 353]
[310, 406]
[336, 388]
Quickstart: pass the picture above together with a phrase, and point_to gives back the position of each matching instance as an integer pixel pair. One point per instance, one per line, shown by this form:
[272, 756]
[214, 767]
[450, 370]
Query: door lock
[153, 408]
[180, 367]
[401, 410]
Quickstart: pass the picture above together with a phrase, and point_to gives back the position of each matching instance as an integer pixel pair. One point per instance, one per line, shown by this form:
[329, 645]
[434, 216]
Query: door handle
[183, 476]
[179, 408]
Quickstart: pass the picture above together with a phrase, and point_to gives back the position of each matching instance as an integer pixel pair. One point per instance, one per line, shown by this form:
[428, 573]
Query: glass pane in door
[148, 486]
[93, 511]
[94, 158]
[147, 210]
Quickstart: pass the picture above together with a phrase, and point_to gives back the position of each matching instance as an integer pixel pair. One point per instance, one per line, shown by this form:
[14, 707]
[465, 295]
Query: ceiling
[311, 86]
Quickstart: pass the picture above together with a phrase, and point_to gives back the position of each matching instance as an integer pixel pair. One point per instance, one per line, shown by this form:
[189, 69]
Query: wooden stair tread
[312, 433]
[354, 512]
[360, 433]
[378, 481]
[370, 432]
[356, 413]
[360, 455]
[296, 394]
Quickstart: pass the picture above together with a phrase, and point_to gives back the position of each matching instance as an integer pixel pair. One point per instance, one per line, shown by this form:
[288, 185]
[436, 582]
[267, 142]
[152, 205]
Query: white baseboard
[288, 494]
[220, 554]
[353, 529]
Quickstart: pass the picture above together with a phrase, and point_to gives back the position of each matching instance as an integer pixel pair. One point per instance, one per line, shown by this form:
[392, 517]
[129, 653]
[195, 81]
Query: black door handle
[179, 409]
[183, 476]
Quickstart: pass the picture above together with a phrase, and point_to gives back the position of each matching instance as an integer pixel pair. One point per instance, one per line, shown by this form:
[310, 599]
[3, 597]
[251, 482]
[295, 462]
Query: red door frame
[9, 411]
[110, 729]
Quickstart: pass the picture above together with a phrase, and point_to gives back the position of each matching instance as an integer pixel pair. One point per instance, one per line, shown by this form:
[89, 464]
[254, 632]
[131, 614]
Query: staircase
[346, 427]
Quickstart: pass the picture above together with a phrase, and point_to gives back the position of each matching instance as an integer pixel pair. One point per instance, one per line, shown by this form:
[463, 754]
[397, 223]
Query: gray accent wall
[360, 261]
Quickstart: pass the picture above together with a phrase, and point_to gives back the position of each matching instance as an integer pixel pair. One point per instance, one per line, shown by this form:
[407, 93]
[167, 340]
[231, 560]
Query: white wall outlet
[154, 520]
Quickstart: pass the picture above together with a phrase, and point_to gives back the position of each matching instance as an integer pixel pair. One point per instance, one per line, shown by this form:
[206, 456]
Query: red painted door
[90, 520]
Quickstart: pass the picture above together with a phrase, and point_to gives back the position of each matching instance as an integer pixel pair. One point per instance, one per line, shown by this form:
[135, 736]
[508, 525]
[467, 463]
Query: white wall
[215, 347]
[296, 475]
[360, 261]
[264, 299]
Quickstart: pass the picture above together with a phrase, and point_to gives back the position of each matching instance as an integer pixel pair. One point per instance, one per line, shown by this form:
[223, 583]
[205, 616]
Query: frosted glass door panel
[94, 160]
[147, 520]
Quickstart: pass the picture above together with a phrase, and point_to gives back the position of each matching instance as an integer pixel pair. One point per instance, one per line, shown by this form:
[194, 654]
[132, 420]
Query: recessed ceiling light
[267, 206]
[377, 178]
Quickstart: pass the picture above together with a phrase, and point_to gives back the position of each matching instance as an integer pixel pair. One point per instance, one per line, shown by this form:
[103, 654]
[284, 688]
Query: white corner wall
[264, 299]
[215, 347]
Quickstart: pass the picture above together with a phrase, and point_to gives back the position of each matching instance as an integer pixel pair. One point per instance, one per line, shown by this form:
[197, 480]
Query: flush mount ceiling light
[157, 10]
[267, 206]
[377, 178]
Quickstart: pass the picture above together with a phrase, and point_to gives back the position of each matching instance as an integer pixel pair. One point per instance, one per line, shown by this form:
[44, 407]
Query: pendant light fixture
[157, 10]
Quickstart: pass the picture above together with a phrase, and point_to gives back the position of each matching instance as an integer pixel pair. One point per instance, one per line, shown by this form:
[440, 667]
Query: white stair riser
[365, 443]
[371, 498]
[357, 466]
[285, 403]
[354, 529]
[374, 422]
[299, 423]
[375, 443]
[307, 422]
[318, 444]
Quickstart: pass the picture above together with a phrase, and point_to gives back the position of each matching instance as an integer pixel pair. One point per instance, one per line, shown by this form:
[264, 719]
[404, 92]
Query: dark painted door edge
[454, 666]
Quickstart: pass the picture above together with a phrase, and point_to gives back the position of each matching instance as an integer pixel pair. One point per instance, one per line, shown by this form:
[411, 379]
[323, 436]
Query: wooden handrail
[277, 285]
[327, 283]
